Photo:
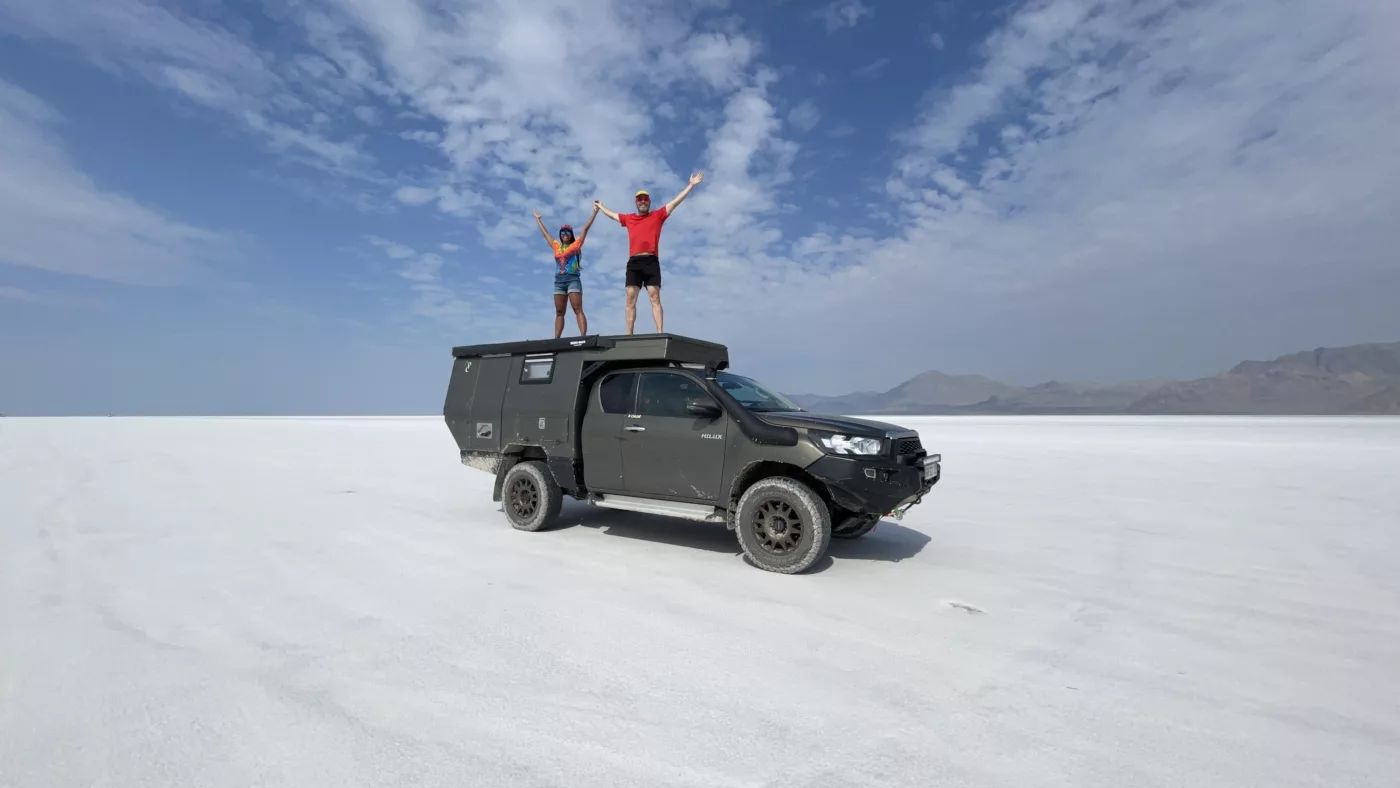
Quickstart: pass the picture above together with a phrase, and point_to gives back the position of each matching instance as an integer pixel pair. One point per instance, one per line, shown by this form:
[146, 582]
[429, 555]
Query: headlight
[846, 444]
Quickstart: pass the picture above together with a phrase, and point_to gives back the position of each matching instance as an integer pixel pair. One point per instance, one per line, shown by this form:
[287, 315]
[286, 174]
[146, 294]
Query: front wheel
[530, 496]
[782, 525]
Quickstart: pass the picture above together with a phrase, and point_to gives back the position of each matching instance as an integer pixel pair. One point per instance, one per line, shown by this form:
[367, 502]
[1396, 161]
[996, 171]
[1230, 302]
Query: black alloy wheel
[778, 526]
[524, 497]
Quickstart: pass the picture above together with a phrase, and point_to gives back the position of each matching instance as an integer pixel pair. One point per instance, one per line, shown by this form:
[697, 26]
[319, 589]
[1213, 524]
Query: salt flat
[337, 602]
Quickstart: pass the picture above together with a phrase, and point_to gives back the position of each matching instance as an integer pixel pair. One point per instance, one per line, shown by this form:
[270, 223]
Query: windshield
[753, 395]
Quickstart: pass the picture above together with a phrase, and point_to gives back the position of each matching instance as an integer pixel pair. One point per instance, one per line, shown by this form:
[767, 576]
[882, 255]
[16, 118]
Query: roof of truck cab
[601, 347]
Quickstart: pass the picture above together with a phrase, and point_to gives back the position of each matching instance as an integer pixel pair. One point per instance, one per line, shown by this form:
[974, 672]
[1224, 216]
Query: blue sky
[298, 206]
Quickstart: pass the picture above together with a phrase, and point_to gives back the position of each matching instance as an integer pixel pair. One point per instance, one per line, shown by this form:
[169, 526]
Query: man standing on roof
[643, 242]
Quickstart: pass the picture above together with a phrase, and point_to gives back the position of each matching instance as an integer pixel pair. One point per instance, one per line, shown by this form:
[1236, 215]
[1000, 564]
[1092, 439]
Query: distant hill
[1354, 379]
[1387, 400]
[921, 391]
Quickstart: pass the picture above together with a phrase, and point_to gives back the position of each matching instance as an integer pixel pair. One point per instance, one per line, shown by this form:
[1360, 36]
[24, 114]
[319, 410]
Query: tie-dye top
[569, 258]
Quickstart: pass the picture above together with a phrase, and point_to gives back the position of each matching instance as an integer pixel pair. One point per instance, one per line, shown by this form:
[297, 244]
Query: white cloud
[422, 268]
[936, 40]
[805, 116]
[415, 195]
[719, 58]
[201, 62]
[873, 69]
[432, 299]
[437, 298]
[842, 13]
[450, 247]
[53, 217]
[17, 294]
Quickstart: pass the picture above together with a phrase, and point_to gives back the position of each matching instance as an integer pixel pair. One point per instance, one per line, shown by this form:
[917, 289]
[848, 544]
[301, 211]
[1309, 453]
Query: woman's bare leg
[560, 300]
[576, 301]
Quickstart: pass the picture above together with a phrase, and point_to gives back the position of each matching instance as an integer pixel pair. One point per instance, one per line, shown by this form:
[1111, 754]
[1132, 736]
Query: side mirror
[703, 408]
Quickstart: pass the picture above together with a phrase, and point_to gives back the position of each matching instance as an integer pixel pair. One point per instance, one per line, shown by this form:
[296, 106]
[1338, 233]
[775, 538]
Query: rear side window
[537, 369]
[617, 392]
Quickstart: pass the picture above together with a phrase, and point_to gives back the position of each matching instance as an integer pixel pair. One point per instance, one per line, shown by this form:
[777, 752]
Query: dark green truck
[656, 423]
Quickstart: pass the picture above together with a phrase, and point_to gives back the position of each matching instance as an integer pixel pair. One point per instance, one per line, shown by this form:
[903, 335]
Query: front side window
[616, 392]
[753, 395]
[664, 394]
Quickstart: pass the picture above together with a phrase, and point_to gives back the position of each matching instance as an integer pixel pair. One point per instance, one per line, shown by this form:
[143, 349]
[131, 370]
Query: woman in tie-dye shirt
[568, 274]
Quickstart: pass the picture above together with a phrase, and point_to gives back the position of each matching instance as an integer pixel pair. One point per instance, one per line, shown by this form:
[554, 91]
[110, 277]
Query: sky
[300, 206]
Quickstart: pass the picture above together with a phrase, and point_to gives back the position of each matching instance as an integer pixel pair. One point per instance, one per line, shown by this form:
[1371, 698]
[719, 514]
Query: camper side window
[537, 369]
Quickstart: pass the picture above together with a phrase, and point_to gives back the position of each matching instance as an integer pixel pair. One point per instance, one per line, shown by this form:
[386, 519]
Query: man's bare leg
[631, 312]
[576, 301]
[656, 315]
[559, 301]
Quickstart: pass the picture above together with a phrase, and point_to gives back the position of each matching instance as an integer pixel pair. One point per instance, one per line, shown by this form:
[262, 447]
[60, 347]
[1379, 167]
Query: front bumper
[877, 485]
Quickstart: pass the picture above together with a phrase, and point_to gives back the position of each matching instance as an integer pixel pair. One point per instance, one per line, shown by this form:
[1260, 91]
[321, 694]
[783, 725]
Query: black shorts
[643, 270]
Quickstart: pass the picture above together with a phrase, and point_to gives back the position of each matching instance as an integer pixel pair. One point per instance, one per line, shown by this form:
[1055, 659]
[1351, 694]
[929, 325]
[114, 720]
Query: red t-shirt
[644, 232]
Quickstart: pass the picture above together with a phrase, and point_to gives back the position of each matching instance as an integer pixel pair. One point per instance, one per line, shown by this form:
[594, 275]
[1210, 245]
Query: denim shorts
[567, 283]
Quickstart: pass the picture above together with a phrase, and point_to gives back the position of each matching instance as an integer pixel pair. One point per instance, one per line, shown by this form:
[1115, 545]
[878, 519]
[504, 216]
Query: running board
[688, 511]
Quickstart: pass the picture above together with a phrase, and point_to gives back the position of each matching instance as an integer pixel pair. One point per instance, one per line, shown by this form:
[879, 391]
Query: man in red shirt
[643, 246]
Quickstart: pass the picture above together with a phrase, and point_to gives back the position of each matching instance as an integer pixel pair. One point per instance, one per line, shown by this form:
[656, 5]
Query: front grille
[905, 447]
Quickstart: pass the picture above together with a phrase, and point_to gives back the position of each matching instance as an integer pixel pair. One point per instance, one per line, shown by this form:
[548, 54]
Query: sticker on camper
[483, 429]
[541, 423]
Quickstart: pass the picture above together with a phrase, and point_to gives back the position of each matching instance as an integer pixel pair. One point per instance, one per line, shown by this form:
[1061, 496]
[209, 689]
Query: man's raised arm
[680, 198]
[599, 205]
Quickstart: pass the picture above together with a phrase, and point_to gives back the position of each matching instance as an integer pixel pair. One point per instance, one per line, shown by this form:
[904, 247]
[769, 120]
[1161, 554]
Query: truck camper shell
[637, 347]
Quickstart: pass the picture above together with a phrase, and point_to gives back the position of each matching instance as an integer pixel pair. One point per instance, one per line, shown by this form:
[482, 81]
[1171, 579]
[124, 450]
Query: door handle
[635, 428]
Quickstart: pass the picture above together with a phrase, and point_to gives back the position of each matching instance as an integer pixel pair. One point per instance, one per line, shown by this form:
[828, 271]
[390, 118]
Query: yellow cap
[640, 193]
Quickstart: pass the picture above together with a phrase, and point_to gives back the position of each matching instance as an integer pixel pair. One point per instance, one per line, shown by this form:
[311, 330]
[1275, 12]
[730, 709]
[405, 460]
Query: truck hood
[841, 424]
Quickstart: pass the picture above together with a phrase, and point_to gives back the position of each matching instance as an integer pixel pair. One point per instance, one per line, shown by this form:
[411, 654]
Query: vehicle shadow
[889, 542]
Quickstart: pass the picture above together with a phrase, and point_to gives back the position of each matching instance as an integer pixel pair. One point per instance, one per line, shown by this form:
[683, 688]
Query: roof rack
[631, 347]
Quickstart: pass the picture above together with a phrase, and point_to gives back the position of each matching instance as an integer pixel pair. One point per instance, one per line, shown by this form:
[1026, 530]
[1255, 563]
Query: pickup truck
[656, 423]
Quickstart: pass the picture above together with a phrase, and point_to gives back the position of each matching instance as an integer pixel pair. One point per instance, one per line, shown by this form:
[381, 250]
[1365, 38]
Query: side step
[688, 511]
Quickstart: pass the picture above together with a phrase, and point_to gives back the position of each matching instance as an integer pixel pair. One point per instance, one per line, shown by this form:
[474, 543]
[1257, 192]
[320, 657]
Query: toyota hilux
[657, 423]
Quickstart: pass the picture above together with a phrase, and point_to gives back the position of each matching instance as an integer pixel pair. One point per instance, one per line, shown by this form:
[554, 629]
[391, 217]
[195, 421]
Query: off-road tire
[782, 502]
[855, 526]
[530, 496]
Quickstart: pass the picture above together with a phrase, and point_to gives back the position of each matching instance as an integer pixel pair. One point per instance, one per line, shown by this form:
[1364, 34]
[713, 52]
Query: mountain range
[1356, 379]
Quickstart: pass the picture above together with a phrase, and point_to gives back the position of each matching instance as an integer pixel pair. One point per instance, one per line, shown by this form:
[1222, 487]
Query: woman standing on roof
[568, 273]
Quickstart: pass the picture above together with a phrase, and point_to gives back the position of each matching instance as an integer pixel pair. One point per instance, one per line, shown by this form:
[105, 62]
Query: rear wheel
[855, 526]
[530, 496]
[782, 525]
